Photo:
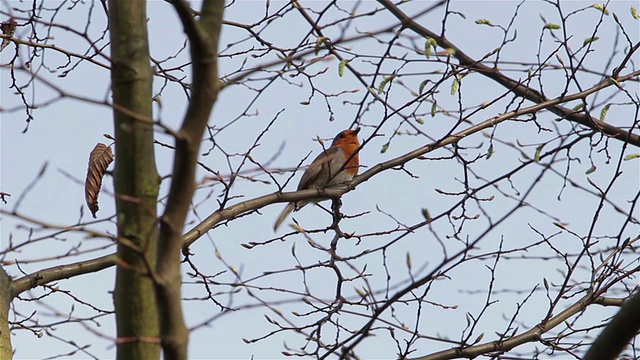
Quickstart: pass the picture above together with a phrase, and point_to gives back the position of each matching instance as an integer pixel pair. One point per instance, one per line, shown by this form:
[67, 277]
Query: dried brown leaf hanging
[99, 160]
[8, 28]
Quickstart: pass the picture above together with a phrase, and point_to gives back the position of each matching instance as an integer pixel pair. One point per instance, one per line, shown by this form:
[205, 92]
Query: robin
[328, 169]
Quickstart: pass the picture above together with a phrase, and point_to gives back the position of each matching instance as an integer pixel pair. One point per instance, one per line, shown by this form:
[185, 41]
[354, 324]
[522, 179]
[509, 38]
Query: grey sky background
[64, 131]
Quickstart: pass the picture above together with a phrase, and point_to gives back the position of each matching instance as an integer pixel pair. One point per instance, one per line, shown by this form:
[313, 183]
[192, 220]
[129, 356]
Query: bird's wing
[318, 169]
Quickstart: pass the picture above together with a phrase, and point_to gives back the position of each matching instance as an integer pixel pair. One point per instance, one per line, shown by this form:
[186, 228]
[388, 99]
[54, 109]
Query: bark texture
[136, 182]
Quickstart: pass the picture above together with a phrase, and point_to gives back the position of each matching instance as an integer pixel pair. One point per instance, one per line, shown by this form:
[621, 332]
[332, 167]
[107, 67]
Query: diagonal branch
[254, 204]
[516, 87]
[533, 334]
[46, 276]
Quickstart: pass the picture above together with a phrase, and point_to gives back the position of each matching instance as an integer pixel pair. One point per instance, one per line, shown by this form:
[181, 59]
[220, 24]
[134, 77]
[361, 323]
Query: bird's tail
[283, 215]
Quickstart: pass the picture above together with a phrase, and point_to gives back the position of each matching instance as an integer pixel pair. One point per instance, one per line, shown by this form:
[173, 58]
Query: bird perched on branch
[336, 165]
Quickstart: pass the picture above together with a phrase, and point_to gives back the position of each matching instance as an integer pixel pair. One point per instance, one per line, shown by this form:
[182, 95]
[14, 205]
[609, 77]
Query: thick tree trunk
[136, 182]
[6, 352]
[618, 333]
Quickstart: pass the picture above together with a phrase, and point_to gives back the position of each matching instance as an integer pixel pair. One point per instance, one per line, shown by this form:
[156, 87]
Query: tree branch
[516, 87]
[334, 192]
[502, 346]
[203, 38]
[54, 273]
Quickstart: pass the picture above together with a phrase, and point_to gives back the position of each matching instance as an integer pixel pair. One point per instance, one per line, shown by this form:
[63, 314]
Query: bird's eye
[341, 135]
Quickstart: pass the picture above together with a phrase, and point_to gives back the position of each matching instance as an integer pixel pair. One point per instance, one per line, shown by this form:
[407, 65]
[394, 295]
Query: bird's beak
[357, 130]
